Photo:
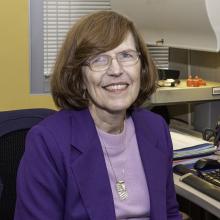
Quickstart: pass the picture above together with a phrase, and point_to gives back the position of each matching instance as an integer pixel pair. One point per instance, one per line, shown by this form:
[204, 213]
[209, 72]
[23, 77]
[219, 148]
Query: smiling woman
[113, 86]
[87, 39]
[101, 156]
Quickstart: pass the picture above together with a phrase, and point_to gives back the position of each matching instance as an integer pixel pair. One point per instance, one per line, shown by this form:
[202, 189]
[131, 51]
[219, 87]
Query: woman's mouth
[116, 87]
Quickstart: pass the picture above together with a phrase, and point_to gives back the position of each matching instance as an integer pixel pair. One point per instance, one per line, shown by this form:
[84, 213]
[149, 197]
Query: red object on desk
[189, 81]
[196, 82]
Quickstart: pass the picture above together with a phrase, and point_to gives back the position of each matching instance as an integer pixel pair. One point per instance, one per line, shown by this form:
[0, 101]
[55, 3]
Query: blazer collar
[91, 172]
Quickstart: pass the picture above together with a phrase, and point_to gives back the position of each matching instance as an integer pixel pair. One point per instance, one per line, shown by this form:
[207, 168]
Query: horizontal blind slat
[58, 17]
[160, 56]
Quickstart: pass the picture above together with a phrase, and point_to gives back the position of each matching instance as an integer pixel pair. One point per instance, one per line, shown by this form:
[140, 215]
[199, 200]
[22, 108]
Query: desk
[200, 199]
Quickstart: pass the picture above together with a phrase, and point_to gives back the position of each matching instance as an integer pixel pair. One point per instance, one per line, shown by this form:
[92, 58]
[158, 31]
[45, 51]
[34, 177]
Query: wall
[204, 64]
[14, 59]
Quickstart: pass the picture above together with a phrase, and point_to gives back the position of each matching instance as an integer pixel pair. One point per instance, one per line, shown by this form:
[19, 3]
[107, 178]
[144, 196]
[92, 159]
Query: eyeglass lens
[103, 61]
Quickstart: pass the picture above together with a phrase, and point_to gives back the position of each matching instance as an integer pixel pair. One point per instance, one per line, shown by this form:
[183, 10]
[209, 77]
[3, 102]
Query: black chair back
[14, 126]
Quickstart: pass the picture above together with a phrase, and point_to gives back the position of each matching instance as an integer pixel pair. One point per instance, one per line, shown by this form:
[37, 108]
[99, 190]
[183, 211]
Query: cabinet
[190, 24]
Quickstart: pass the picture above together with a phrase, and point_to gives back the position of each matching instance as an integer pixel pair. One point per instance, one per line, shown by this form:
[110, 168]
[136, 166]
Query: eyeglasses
[103, 61]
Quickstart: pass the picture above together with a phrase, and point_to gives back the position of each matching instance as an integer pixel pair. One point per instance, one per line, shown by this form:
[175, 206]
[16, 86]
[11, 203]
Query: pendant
[121, 190]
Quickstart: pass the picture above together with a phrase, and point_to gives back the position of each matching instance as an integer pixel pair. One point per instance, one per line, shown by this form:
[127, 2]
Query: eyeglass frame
[87, 63]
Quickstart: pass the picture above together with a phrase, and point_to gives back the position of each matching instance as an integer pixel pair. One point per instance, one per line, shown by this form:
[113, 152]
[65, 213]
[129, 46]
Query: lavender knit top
[124, 163]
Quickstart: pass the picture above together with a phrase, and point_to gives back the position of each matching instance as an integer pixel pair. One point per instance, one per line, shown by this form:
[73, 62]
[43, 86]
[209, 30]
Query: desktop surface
[194, 195]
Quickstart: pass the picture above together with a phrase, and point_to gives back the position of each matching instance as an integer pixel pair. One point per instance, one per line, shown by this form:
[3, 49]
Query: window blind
[160, 56]
[58, 17]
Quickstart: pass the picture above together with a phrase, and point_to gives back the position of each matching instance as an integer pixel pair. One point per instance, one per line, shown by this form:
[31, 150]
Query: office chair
[14, 126]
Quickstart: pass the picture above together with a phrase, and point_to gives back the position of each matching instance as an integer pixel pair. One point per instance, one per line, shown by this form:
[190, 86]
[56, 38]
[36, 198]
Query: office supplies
[207, 163]
[196, 82]
[183, 141]
[196, 151]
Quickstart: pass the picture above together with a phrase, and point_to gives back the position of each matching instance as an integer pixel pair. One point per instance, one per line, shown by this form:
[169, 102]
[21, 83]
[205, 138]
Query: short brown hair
[91, 35]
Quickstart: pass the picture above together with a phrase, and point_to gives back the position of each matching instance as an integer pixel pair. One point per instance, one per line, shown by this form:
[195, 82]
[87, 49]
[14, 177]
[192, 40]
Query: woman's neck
[107, 121]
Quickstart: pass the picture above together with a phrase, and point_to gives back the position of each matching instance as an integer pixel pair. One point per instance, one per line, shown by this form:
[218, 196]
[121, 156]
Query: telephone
[209, 134]
[207, 163]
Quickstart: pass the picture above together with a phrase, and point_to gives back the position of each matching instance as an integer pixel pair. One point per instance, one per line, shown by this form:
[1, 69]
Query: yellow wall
[14, 59]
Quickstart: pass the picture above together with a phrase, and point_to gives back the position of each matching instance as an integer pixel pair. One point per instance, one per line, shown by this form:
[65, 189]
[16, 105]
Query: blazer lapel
[90, 170]
[154, 163]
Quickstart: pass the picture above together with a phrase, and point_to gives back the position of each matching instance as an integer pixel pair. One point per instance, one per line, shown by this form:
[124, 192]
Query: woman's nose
[115, 68]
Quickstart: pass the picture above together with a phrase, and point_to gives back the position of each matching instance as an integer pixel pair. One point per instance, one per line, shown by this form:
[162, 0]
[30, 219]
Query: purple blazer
[63, 176]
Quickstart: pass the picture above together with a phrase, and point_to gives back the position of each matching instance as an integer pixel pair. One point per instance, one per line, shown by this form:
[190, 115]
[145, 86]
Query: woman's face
[114, 89]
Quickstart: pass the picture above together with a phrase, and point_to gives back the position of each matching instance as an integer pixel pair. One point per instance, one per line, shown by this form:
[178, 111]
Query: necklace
[120, 184]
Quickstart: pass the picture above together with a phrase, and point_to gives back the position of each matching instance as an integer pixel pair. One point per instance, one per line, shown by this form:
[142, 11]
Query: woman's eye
[99, 60]
[126, 55]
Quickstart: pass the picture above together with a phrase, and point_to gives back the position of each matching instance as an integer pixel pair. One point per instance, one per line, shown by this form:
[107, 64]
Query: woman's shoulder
[57, 120]
[150, 122]
[147, 115]
[155, 128]
[58, 123]
[56, 128]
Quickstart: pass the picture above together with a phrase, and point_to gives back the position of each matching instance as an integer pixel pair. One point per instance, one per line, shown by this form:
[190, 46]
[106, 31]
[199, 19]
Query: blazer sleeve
[40, 187]
[172, 205]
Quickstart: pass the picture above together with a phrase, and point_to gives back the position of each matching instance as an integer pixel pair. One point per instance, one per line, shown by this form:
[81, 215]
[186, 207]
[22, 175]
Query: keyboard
[202, 185]
[207, 182]
[212, 176]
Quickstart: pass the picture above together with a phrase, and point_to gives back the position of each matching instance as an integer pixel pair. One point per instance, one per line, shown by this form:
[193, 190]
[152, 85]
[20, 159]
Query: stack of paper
[187, 146]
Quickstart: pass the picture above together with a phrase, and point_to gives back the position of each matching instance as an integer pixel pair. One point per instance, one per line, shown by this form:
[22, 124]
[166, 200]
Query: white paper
[181, 140]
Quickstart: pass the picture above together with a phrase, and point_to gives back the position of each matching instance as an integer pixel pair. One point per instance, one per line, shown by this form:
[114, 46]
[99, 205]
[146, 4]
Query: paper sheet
[181, 140]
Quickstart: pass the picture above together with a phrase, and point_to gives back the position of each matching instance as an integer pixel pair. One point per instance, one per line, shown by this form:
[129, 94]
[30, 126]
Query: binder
[195, 151]
[186, 146]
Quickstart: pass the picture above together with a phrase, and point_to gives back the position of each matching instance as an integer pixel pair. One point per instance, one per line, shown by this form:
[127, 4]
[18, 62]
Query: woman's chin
[118, 108]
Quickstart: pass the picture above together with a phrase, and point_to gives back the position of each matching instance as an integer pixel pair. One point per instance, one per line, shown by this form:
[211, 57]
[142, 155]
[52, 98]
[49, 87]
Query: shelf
[182, 93]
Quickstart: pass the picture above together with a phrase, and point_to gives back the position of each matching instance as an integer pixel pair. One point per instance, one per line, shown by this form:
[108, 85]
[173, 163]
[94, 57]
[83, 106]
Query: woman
[100, 157]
